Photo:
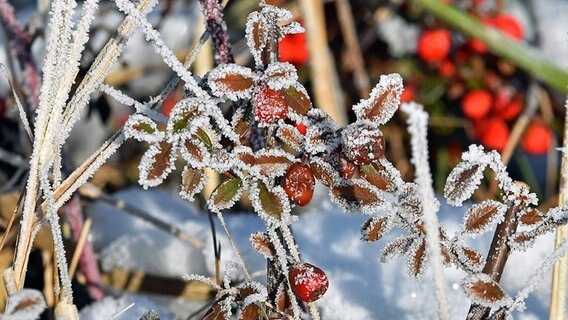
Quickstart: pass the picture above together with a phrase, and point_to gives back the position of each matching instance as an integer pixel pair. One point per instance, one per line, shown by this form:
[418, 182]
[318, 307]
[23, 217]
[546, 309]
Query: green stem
[520, 54]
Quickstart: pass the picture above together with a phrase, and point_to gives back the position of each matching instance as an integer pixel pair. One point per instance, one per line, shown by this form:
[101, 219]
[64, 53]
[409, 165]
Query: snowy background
[360, 286]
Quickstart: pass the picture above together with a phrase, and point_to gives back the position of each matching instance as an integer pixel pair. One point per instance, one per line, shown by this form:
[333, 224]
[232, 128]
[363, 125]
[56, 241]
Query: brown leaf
[381, 101]
[462, 182]
[375, 228]
[396, 248]
[374, 176]
[356, 193]
[532, 217]
[480, 216]
[296, 99]
[283, 301]
[324, 172]
[483, 290]
[162, 161]
[235, 82]
[261, 242]
[416, 262]
[272, 165]
[215, 313]
[290, 136]
[258, 35]
[191, 182]
[194, 150]
[250, 312]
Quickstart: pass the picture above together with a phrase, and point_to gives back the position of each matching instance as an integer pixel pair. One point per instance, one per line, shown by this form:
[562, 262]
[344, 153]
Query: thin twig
[79, 248]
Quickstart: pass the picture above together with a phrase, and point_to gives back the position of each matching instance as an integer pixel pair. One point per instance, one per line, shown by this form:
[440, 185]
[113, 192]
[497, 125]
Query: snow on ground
[360, 286]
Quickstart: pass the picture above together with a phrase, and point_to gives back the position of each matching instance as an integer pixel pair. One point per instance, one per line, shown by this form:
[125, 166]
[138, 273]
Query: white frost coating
[497, 217]
[184, 120]
[390, 103]
[227, 204]
[190, 194]
[167, 55]
[395, 248]
[280, 75]
[148, 162]
[417, 127]
[253, 18]
[470, 280]
[261, 294]
[142, 128]
[21, 111]
[29, 311]
[412, 264]
[383, 201]
[212, 110]
[220, 89]
[190, 158]
[278, 191]
[200, 278]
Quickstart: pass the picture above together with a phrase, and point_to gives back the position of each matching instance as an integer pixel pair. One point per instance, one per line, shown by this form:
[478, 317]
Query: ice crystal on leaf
[261, 243]
[26, 304]
[483, 215]
[280, 75]
[231, 81]
[396, 248]
[225, 195]
[193, 181]
[271, 204]
[417, 258]
[156, 163]
[462, 182]
[358, 195]
[375, 228]
[297, 99]
[195, 153]
[383, 101]
[481, 289]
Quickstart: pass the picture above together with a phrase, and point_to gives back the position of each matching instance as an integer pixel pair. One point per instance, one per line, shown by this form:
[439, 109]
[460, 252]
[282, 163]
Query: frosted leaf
[261, 243]
[521, 241]
[282, 300]
[483, 215]
[481, 289]
[195, 153]
[324, 172]
[182, 119]
[252, 292]
[297, 99]
[469, 259]
[200, 278]
[417, 258]
[240, 124]
[223, 124]
[322, 133]
[292, 28]
[375, 228]
[375, 177]
[225, 195]
[26, 304]
[531, 217]
[256, 35]
[271, 204]
[142, 128]
[231, 81]
[410, 209]
[209, 142]
[216, 312]
[192, 182]
[290, 136]
[280, 75]
[265, 162]
[358, 195]
[462, 182]
[250, 312]
[396, 248]
[383, 101]
[156, 163]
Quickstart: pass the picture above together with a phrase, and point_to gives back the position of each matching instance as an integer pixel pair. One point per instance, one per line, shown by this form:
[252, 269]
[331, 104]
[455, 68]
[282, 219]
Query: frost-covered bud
[363, 143]
[269, 106]
[299, 183]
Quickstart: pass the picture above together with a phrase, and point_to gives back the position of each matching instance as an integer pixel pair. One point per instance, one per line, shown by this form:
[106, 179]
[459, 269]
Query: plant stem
[520, 54]
[560, 274]
[497, 258]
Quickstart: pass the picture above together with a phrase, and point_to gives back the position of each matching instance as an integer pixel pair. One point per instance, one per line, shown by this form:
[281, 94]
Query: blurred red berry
[169, 103]
[447, 69]
[537, 138]
[509, 25]
[2, 107]
[408, 94]
[493, 133]
[293, 49]
[434, 45]
[308, 282]
[476, 104]
[269, 105]
[507, 106]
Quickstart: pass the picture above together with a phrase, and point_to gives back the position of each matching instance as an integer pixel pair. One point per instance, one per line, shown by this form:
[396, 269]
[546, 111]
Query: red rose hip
[434, 45]
[363, 143]
[269, 105]
[299, 183]
[308, 282]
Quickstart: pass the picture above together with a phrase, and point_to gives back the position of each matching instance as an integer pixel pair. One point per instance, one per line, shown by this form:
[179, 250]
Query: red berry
[363, 143]
[509, 25]
[434, 45]
[299, 183]
[2, 108]
[308, 282]
[493, 133]
[447, 69]
[408, 94]
[293, 49]
[476, 104]
[477, 45]
[302, 129]
[537, 138]
[269, 105]
[507, 106]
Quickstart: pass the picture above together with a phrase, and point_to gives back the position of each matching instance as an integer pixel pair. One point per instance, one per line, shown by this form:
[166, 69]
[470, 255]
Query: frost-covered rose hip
[299, 182]
[308, 282]
[363, 143]
[269, 105]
